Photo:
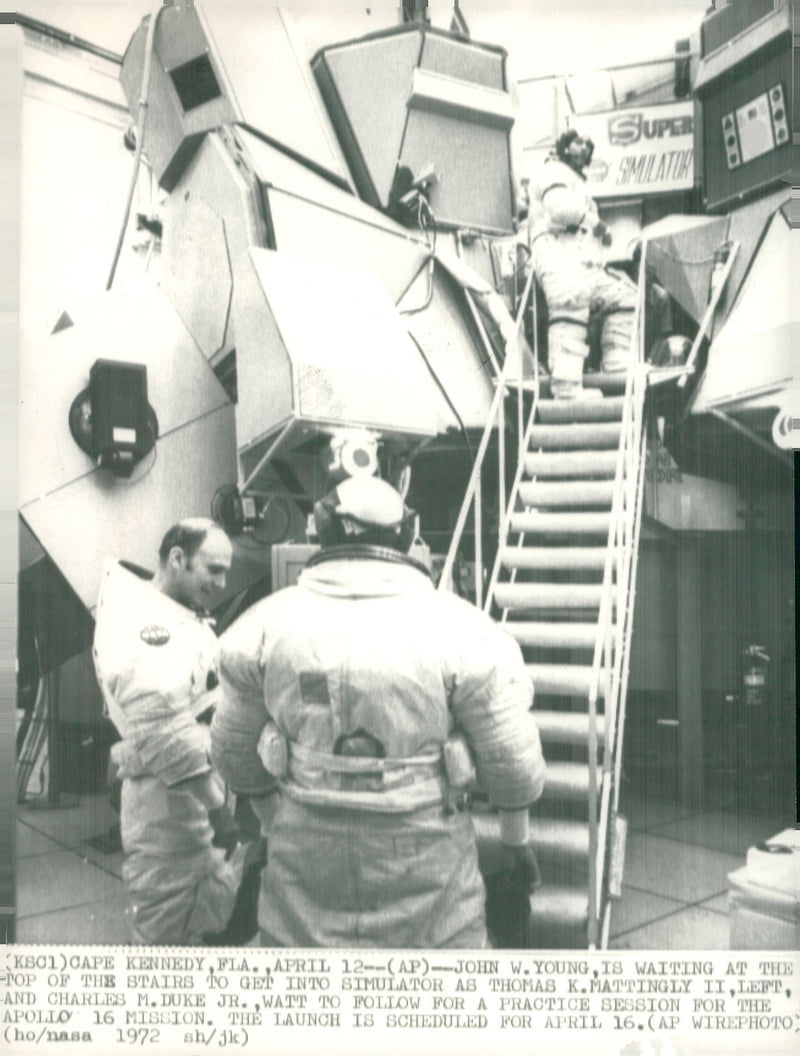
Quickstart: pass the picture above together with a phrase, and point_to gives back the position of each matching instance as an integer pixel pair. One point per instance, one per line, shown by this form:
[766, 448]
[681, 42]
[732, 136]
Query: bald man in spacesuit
[156, 660]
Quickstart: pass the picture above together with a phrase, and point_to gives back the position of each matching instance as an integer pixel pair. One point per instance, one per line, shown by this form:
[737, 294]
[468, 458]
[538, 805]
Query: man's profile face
[199, 578]
[579, 152]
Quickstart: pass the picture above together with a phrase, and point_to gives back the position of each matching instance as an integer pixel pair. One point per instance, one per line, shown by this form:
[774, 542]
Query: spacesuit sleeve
[153, 694]
[241, 717]
[563, 199]
[490, 698]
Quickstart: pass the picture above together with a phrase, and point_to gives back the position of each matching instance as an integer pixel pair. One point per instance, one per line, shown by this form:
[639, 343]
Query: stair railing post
[478, 522]
[523, 441]
[501, 463]
[613, 640]
[446, 578]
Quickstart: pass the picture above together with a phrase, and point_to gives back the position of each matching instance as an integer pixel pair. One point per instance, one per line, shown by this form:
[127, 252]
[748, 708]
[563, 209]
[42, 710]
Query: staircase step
[561, 523]
[549, 464]
[564, 680]
[567, 727]
[609, 384]
[607, 410]
[553, 635]
[548, 595]
[562, 558]
[567, 493]
[560, 917]
[554, 840]
[569, 781]
[572, 437]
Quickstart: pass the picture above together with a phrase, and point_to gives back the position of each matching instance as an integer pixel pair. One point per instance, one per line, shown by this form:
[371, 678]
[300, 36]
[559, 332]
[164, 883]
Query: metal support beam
[689, 669]
[765, 445]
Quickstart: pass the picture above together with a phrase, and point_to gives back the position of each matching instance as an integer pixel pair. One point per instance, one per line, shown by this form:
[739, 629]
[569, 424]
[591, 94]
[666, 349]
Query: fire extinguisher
[755, 668]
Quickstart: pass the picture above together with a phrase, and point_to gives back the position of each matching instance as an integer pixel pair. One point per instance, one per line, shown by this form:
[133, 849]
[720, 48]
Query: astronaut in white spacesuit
[567, 239]
[354, 694]
[156, 660]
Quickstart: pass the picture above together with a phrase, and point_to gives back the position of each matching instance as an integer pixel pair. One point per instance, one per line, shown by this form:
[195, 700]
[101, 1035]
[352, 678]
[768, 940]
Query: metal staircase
[563, 585]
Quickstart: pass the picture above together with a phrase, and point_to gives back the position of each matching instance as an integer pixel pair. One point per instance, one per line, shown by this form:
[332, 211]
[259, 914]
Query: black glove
[226, 831]
[521, 862]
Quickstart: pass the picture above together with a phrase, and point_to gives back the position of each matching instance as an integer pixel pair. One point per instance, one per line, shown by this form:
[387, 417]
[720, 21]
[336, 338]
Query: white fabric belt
[360, 764]
[308, 767]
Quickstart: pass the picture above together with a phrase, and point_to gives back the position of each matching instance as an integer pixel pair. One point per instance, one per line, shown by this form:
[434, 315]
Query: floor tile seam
[33, 828]
[659, 824]
[58, 849]
[26, 812]
[103, 868]
[70, 909]
[674, 821]
[701, 904]
[66, 849]
[685, 843]
[55, 839]
[75, 848]
[660, 894]
[655, 920]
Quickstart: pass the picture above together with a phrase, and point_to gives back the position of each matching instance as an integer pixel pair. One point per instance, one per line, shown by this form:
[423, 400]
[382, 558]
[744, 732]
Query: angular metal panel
[263, 367]
[195, 282]
[271, 82]
[172, 132]
[376, 91]
[460, 100]
[747, 227]
[745, 30]
[365, 87]
[453, 353]
[340, 352]
[464, 61]
[680, 250]
[139, 327]
[331, 236]
[752, 353]
[196, 272]
[94, 515]
[474, 189]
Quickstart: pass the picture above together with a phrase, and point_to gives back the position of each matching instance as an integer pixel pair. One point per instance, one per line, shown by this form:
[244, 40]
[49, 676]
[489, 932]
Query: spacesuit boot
[615, 341]
[567, 351]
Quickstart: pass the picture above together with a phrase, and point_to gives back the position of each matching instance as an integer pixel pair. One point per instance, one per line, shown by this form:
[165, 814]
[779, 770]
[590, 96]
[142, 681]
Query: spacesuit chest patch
[314, 687]
[154, 635]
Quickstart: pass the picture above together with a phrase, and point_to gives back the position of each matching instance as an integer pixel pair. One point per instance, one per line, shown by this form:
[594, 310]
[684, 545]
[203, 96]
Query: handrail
[512, 366]
[609, 645]
[508, 509]
[610, 660]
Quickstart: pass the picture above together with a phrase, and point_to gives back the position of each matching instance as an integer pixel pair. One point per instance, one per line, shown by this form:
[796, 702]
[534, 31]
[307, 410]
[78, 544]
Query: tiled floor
[66, 890]
[677, 860]
[674, 891]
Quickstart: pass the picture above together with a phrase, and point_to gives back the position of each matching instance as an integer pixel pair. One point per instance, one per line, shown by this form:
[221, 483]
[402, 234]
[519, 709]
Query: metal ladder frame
[611, 658]
[510, 378]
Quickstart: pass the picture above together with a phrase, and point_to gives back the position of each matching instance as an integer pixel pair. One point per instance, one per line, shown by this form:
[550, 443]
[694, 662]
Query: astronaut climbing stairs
[563, 586]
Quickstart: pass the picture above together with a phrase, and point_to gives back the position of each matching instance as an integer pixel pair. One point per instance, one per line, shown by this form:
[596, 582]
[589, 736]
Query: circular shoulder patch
[154, 635]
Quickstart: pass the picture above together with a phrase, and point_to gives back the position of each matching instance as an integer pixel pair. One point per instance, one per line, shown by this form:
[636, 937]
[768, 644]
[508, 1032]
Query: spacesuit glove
[520, 861]
[602, 233]
[226, 832]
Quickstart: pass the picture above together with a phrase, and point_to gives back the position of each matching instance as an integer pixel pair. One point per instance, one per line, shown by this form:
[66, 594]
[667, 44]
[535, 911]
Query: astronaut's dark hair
[566, 139]
[189, 535]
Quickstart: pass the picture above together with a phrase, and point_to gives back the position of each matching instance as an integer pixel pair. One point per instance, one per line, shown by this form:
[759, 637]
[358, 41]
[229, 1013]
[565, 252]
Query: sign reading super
[647, 150]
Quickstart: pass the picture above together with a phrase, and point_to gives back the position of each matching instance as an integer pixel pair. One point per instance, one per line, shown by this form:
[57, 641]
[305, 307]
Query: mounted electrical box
[121, 433]
[744, 86]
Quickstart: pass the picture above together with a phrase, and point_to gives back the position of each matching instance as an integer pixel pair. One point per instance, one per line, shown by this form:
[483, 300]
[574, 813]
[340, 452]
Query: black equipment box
[120, 429]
